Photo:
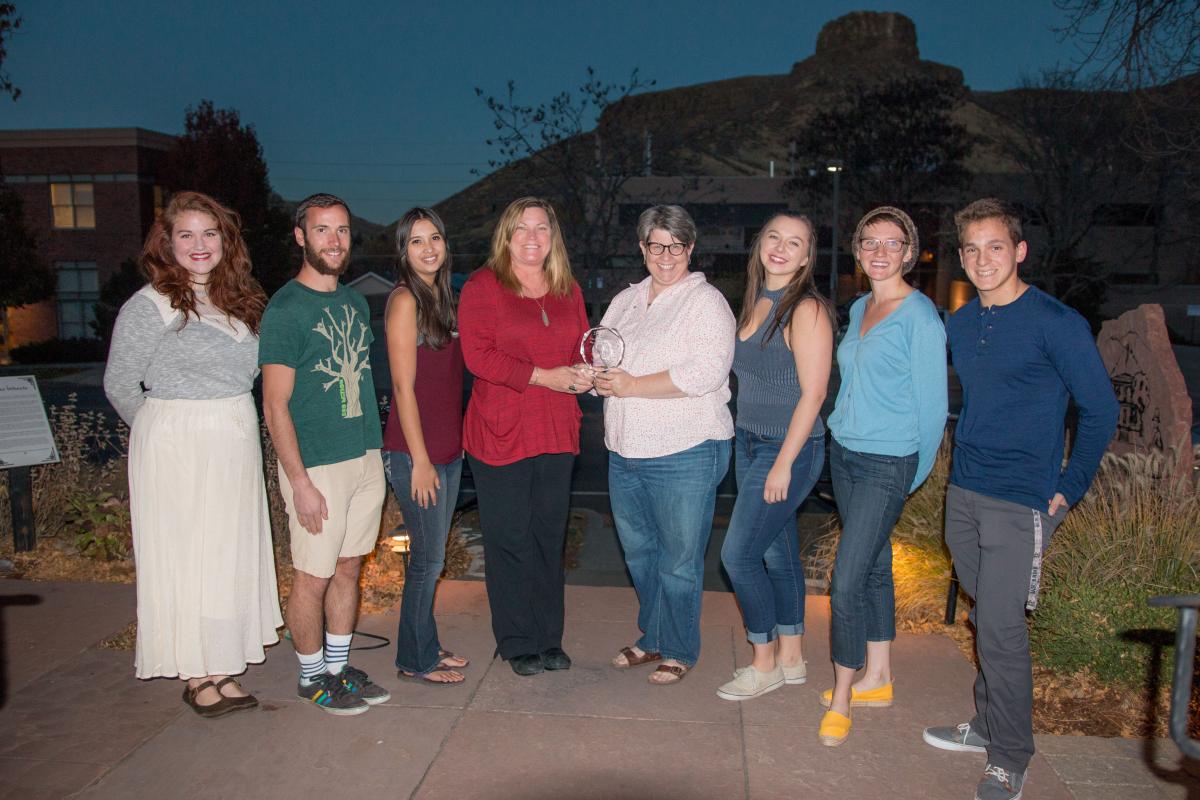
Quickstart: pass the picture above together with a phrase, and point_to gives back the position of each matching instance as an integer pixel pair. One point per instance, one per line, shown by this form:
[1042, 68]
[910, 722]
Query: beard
[314, 259]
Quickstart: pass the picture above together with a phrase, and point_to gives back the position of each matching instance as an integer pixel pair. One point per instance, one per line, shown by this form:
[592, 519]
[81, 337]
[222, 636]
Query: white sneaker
[795, 674]
[749, 683]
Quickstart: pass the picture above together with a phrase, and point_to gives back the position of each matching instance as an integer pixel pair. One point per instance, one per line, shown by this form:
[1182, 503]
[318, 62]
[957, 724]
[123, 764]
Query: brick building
[90, 196]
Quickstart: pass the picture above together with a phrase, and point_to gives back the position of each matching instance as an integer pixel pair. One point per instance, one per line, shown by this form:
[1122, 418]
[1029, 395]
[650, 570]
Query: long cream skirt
[207, 603]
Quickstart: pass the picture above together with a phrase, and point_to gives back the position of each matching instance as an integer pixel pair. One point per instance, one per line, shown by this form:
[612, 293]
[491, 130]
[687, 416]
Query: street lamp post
[835, 166]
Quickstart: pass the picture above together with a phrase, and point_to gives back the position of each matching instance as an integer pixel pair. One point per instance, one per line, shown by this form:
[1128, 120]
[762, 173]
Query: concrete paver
[88, 710]
[78, 721]
[592, 688]
[288, 751]
[31, 779]
[44, 624]
[882, 762]
[543, 757]
[1126, 768]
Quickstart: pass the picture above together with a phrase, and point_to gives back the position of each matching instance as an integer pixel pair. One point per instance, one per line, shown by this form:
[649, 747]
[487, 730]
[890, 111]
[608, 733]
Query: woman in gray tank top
[782, 359]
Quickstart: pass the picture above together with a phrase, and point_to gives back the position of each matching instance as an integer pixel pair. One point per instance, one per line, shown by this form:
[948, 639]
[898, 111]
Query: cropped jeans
[870, 491]
[417, 646]
[663, 509]
[761, 551]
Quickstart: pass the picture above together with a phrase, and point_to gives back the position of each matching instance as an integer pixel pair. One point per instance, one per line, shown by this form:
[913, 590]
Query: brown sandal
[676, 671]
[245, 701]
[219, 708]
[632, 659]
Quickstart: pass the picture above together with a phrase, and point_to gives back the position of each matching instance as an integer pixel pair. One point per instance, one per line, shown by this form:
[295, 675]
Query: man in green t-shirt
[319, 403]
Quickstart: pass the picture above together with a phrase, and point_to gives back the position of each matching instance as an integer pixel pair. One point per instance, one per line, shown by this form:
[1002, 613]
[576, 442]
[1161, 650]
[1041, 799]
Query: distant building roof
[371, 283]
[86, 137]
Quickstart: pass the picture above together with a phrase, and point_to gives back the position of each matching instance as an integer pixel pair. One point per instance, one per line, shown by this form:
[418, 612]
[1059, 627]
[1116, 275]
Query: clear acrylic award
[602, 348]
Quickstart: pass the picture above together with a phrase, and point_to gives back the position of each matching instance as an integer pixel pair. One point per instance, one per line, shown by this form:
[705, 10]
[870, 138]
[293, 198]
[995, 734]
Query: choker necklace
[541, 303]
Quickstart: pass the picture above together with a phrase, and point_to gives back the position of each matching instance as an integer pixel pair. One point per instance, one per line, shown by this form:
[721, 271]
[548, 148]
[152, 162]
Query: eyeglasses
[891, 245]
[656, 249]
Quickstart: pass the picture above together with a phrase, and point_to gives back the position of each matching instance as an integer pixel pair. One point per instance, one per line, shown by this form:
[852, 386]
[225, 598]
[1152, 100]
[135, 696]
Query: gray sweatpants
[997, 547]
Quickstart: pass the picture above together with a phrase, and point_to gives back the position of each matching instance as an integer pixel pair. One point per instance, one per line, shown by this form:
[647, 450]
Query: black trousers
[523, 510]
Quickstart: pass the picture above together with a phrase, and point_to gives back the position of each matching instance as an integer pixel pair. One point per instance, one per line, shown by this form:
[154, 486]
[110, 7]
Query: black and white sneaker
[959, 738]
[358, 684]
[328, 693]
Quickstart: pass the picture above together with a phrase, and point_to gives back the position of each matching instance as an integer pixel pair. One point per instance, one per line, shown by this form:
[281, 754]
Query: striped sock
[337, 650]
[312, 665]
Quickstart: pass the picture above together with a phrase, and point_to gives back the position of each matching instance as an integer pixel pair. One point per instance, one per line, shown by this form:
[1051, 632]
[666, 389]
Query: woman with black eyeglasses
[667, 425]
[887, 424]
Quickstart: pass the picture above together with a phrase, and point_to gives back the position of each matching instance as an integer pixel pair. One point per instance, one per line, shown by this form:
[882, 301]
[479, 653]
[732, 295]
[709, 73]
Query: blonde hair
[557, 267]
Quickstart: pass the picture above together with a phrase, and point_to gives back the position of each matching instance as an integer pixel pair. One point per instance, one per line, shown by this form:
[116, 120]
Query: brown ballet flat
[245, 701]
[217, 709]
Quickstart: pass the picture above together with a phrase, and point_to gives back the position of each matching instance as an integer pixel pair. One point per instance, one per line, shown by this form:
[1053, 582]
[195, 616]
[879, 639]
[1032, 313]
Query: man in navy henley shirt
[1021, 355]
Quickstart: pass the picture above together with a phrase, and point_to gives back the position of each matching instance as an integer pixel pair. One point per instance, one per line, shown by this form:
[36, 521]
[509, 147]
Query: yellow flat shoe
[834, 729]
[880, 697]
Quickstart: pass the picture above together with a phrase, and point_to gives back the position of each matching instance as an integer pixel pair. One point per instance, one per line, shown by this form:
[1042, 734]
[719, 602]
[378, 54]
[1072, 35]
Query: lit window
[158, 202]
[74, 205]
[78, 293]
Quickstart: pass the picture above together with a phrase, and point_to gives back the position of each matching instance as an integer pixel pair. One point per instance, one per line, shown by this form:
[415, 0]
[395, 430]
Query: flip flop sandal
[246, 701]
[217, 709]
[674, 670]
[423, 677]
[443, 667]
[632, 659]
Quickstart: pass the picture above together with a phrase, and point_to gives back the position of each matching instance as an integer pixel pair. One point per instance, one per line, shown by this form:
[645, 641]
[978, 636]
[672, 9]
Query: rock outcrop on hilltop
[737, 127]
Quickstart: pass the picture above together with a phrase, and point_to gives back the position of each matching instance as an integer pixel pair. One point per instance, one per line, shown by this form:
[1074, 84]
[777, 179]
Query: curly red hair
[231, 287]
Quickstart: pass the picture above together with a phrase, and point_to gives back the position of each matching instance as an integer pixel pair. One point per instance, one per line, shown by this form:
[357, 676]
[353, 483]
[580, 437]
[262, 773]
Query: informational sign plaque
[25, 436]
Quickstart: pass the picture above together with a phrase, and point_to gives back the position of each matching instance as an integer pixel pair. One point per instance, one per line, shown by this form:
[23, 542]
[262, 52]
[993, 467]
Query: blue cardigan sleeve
[927, 353]
[1072, 351]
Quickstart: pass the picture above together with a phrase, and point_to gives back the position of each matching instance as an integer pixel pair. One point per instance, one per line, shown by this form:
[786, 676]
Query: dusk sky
[375, 100]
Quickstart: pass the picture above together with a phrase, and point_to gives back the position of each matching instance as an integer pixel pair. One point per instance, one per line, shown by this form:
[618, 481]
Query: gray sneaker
[328, 693]
[360, 685]
[959, 738]
[998, 783]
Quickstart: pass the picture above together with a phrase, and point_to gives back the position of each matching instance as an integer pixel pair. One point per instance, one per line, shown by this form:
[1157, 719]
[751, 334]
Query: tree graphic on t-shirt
[348, 357]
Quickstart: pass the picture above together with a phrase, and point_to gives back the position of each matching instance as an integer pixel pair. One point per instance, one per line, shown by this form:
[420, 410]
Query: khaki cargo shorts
[354, 492]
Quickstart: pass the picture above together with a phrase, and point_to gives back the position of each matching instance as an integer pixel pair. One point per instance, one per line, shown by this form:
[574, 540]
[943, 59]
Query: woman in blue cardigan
[887, 424]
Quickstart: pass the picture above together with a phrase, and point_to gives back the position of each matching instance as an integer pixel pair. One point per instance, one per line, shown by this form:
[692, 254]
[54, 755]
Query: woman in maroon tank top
[422, 441]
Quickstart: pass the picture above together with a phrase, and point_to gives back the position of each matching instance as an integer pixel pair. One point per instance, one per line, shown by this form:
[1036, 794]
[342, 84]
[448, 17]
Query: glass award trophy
[602, 348]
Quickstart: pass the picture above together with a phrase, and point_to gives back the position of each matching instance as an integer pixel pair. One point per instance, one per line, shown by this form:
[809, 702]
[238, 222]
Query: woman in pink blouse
[667, 425]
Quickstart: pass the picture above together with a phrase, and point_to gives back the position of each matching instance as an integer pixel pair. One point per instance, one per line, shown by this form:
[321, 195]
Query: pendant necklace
[542, 306]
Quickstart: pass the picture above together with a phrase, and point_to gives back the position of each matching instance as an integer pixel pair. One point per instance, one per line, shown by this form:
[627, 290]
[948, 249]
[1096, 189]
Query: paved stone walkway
[74, 721]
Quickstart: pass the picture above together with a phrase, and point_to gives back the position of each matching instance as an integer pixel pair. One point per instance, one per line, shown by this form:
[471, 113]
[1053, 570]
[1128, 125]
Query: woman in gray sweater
[183, 359]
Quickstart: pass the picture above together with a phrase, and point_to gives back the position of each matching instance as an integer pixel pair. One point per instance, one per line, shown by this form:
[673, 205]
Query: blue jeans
[417, 645]
[870, 491]
[663, 508]
[762, 551]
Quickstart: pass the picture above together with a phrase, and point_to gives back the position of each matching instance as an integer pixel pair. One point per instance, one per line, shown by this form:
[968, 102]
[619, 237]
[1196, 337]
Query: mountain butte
[736, 127]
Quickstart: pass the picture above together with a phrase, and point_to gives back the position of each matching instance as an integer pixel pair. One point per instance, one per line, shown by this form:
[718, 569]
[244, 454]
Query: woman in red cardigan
[520, 319]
